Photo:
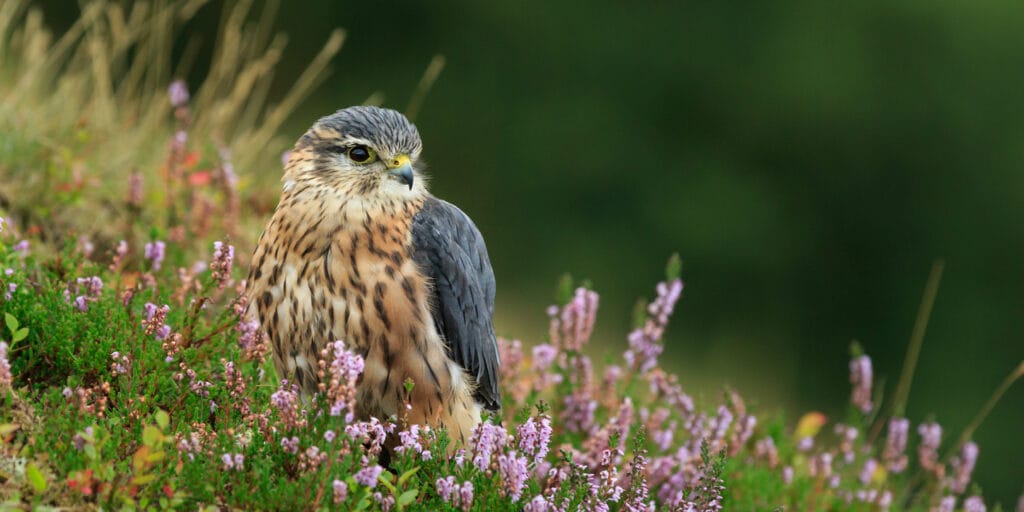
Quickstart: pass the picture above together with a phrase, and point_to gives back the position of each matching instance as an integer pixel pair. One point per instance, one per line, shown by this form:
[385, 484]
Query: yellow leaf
[810, 424]
[880, 475]
[141, 458]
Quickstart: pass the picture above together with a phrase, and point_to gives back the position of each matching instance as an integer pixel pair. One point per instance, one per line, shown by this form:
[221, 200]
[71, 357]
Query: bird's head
[369, 151]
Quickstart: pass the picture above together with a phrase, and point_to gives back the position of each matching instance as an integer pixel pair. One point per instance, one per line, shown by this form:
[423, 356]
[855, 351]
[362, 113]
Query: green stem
[924, 312]
[426, 82]
[979, 418]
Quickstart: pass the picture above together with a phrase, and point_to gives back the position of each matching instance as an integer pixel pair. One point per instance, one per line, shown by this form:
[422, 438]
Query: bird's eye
[361, 154]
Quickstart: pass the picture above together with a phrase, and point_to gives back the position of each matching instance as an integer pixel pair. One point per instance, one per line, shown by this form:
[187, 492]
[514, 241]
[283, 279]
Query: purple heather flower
[8, 271]
[178, 93]
[947, 504]
[81, 438]
[223, 257]
[329, 436]
[66, 392]
[514, 474]
[896, 445]
[11, 288]
[85, 246]
[535, 438]
[928, 450]
[340, 491]
[974, 504]
[290, 444]
[543, 356]
[446, 488]
[81, 304]
[92, 287]
[572, 324]
[372, 433]
[645, 343]
[5, 367]
[787, 474]
[410, 440]
[861, 379]
[578, 414]
[155, 253]
[387, 501]
[135, 189]
[286, 401]
[249, 334]
[805, 443]
[847, 436]
[963, 466]
[820, 465]
[766, 449]
[867, 474]
[662, 438]
[539, 504]
[466, 495]
[721, 423]
[120, 363]
[346, 367]
[22, 248]
[487, 439]
[885, 500]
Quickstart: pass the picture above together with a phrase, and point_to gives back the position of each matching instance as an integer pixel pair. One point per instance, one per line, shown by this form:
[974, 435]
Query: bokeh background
[807, 160]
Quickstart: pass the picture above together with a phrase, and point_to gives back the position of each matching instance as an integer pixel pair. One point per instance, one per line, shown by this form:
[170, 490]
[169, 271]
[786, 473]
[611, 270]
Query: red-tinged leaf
[200, 178]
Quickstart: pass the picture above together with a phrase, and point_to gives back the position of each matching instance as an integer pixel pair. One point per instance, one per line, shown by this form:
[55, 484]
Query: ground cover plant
[131, 379]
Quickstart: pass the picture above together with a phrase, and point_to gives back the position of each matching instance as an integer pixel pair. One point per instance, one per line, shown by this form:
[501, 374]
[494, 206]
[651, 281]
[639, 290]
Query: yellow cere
[398, 161]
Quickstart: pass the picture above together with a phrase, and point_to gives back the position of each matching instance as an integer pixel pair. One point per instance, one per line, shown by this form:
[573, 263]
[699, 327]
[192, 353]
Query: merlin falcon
[358, 250]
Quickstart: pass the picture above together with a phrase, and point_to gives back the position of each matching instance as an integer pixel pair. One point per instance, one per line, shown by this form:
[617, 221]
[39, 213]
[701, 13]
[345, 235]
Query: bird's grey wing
[450, 250]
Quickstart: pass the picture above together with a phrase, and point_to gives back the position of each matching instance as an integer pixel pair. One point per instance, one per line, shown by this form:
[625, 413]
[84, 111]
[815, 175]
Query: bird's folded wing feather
[450, 250]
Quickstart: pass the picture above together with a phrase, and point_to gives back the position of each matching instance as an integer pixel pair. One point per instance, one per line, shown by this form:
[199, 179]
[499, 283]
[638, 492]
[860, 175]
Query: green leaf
[407, 475]
[639, 313]
[407, 497]
[674, 269]
[162, 419]
[385, 479]
[19, 335]
[90, 451]
[12, 323]
[563, 293]
[151, 435]
[35, 477]
[143, 479]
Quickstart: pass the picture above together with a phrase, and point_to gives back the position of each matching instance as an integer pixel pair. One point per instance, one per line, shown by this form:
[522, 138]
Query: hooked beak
[401, 168]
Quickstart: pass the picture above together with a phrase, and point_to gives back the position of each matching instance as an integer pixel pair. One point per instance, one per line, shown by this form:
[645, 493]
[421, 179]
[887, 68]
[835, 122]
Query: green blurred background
[807, 160]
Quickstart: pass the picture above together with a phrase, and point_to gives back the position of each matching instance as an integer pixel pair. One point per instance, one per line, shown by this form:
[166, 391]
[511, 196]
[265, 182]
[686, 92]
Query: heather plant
[131, 378]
